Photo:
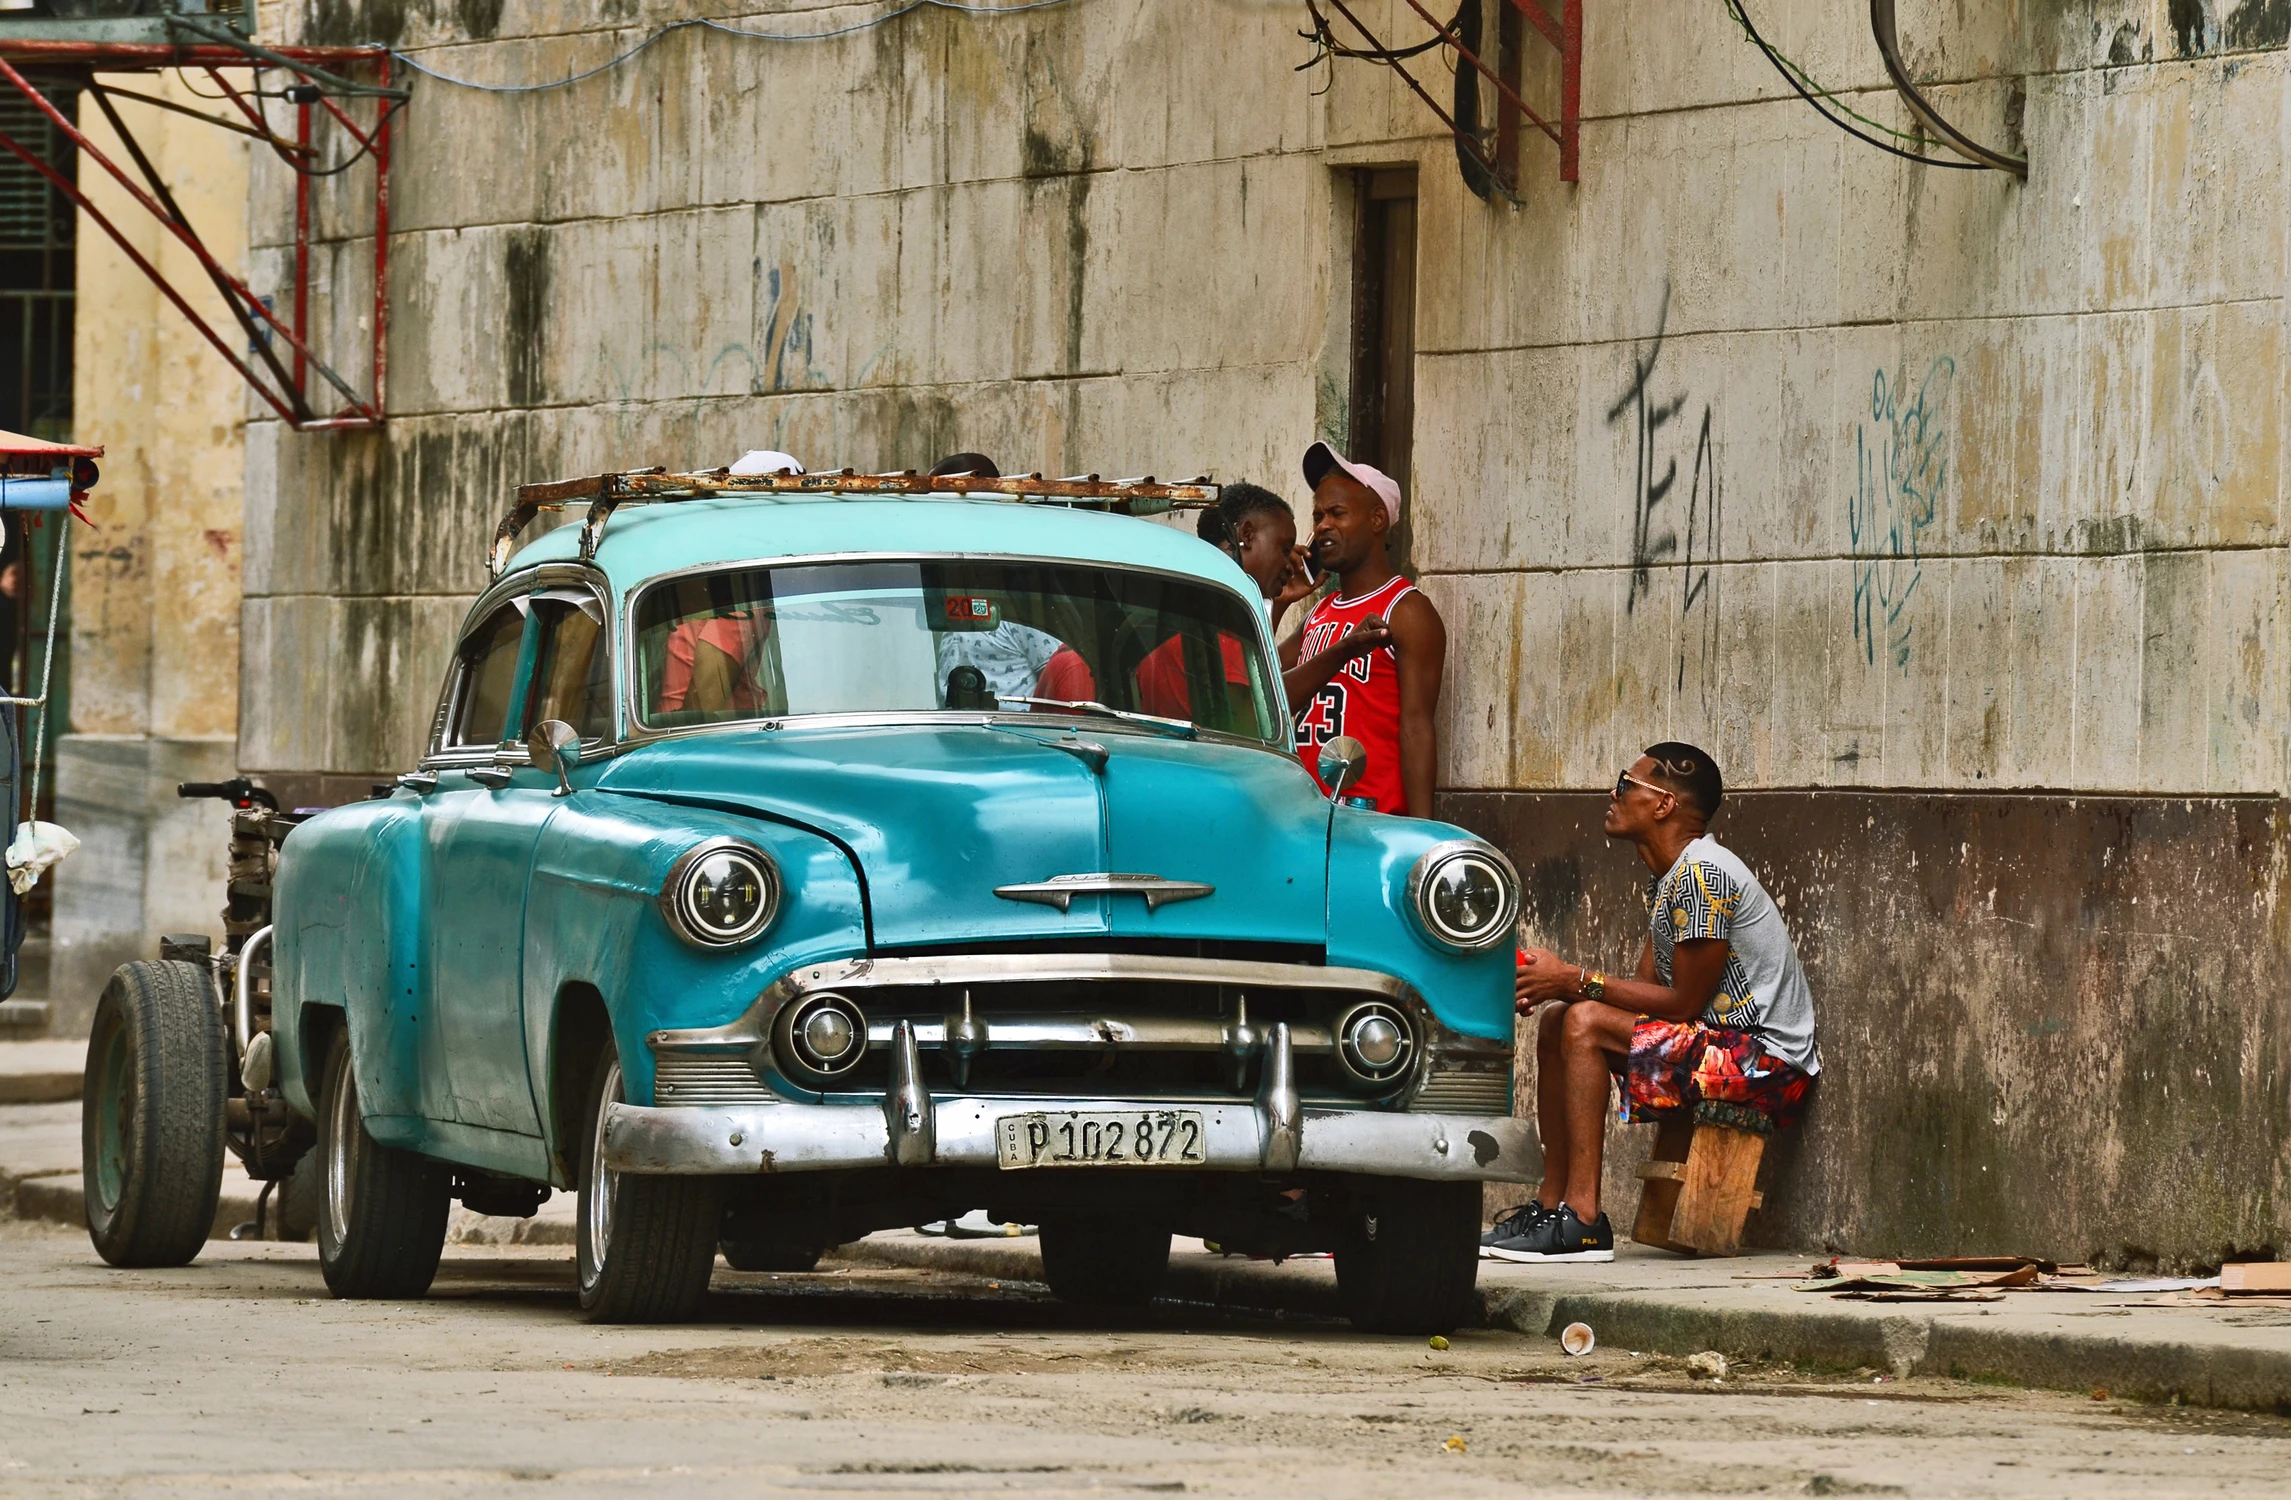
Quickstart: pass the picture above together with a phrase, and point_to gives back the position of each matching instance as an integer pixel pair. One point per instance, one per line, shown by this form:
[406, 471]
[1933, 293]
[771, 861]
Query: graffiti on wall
[1901, 474]
[1665, 525]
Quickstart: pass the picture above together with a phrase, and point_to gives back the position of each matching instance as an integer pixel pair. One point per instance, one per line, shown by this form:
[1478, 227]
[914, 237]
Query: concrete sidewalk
[41, 1072]
[1747, 1307]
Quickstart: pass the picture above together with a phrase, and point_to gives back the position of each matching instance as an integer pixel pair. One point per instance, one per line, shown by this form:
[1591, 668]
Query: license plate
[1143, 1138]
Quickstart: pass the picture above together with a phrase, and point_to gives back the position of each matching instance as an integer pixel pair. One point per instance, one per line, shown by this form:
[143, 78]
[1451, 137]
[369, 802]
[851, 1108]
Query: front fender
[1371, 927]
[593, 918]
[346, 908]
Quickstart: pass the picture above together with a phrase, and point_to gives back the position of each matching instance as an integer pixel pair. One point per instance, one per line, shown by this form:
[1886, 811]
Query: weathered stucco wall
[2037, 1027]
[155, 581]
[1923, 498]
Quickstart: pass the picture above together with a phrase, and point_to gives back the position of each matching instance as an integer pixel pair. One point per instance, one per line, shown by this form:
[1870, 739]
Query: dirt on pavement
[239, 1373]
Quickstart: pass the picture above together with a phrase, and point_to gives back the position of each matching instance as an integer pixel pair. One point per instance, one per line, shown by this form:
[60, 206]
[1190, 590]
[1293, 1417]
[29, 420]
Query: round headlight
[722, 893]
[1464, 894]
[1375, 1042]
[822, 1038]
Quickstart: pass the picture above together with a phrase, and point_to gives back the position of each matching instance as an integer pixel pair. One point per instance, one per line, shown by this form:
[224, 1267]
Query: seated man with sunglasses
[1719, 1010]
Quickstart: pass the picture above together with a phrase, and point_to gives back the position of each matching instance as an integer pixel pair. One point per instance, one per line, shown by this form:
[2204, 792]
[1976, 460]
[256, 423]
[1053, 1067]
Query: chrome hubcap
[341, 1139]
[604, 1183]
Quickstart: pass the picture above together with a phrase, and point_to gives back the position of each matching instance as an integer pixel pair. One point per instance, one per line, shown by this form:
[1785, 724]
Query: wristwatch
[1594, 985]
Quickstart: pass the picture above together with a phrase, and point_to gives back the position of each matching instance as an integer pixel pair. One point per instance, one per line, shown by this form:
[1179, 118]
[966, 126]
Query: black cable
[183, 76]
[1322, 37]
[1741, 14]
[258, 93]
[356, 157]
[262, 112]
[1479, 180]
[223, 36]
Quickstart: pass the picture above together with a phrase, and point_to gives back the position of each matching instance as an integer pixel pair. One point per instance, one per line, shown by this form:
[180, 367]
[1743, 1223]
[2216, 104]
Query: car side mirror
[1344, 760]
[555, 745]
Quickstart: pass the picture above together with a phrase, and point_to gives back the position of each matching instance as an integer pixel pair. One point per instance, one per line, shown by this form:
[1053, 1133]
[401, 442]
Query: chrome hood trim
[1060, 890]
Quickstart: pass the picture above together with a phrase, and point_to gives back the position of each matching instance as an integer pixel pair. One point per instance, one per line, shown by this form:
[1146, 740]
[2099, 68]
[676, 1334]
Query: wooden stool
[1699, 1187]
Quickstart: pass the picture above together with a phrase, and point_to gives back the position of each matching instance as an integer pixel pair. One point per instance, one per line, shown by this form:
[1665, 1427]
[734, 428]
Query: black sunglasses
[1626, 781]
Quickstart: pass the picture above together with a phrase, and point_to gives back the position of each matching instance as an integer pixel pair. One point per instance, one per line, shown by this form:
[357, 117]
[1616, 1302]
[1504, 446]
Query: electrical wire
[1791, 75]
[1835, 97]
[374, 135]
[1324, 40]
[728, 30]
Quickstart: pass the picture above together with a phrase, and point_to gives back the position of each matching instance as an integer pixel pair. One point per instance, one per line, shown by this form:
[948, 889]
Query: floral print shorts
[1675, 1065]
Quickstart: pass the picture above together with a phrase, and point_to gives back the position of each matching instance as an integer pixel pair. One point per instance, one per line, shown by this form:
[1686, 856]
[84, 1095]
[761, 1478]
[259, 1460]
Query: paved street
[240, 1374]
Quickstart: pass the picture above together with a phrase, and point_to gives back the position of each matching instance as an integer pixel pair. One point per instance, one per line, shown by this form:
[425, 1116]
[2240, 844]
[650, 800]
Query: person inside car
[1254, 527]
[985, 669]
[1258, 530]
[718, 666]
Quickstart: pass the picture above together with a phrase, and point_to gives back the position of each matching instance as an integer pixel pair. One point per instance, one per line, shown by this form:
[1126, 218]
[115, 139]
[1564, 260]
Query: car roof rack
[605, 493]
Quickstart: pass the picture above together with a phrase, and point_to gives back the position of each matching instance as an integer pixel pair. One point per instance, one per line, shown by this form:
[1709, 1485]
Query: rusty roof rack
[606, 493]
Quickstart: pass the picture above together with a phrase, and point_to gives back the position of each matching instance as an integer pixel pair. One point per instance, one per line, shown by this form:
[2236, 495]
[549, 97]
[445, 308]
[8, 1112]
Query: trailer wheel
[645, 1243]
[1409, 1255]
[151, 1115]
[382, 1217]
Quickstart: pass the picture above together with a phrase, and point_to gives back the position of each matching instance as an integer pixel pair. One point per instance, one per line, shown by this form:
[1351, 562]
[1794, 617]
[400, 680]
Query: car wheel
[1104, 1261]
[646, 1244]
[151, 1115]
[770, 1254]
[1409, 1255]
[382, 1212]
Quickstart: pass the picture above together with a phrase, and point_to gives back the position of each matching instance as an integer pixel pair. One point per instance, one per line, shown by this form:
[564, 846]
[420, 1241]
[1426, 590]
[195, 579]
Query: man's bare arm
[1696, 967]
[1307, 677]
[1421, 642]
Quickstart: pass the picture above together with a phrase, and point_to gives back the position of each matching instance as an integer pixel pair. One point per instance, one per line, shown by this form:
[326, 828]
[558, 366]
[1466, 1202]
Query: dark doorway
[1384, 330]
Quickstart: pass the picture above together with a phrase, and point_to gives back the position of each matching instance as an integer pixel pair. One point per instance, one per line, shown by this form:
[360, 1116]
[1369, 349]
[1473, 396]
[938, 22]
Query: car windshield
[960, 635]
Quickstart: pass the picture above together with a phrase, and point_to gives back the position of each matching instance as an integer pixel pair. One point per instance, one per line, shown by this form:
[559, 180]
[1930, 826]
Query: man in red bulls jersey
[1368, 662]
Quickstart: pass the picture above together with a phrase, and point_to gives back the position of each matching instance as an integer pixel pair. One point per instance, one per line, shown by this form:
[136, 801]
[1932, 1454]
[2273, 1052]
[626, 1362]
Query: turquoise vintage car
[797, 858]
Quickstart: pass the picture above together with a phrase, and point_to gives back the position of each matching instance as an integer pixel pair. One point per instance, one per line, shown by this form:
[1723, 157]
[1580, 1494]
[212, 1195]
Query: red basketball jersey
[1362, 699]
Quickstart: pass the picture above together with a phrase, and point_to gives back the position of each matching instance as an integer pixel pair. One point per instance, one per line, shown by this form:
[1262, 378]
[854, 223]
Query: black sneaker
[1520, 1222]
[1559, 1237]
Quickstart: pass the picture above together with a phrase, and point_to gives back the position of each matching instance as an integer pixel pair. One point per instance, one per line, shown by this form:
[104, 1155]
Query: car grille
[1458, 1092]
[1088, 1025]
[694, 1080]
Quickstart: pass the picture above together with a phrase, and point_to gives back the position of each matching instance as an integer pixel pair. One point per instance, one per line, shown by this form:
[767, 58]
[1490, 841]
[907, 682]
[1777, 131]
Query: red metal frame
[292, 403]
[1564, 32]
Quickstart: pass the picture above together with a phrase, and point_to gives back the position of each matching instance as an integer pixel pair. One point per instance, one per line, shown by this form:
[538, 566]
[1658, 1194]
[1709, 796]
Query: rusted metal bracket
[283, 389]
[1883, 27]
[606, 493]
[1564, 32]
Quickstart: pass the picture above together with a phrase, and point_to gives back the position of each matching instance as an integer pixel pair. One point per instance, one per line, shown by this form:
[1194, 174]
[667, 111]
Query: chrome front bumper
[1237, 1137]
[1275, 1133]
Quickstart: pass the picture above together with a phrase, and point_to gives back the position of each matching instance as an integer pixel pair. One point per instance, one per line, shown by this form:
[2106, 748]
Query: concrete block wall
[1881, 480]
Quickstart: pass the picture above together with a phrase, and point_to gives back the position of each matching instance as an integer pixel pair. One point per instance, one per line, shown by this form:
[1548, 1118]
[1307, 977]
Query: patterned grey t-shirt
[1709, 893]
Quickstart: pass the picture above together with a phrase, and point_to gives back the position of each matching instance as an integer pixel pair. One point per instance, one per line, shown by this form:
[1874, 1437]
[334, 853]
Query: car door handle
[492, 776]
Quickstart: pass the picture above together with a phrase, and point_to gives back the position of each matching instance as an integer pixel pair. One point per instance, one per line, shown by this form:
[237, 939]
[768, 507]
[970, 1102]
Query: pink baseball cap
[1320, 458]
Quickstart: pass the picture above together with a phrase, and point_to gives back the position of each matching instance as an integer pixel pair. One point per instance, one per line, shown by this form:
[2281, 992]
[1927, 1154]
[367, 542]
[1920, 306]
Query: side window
[488, 671]
[572, 675]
